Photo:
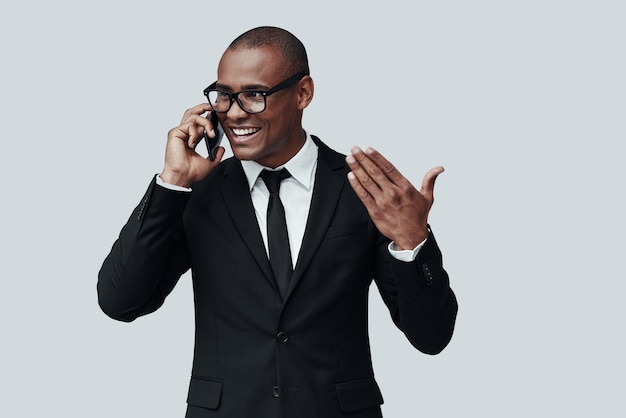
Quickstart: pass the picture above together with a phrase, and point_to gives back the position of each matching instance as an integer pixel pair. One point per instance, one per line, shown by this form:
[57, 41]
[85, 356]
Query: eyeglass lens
[250, 101]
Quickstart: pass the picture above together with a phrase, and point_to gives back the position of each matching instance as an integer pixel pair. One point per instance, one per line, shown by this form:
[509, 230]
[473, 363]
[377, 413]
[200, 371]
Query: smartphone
[213, 143]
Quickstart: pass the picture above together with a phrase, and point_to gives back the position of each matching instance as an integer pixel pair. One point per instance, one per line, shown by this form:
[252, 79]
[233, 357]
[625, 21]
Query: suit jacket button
[282, 337]
[275, 392]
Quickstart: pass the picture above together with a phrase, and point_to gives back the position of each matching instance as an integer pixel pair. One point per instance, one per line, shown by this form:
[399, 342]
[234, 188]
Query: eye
[253, 95]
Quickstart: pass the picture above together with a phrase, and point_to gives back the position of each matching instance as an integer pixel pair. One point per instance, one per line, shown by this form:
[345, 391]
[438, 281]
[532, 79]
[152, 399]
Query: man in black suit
[272, 342]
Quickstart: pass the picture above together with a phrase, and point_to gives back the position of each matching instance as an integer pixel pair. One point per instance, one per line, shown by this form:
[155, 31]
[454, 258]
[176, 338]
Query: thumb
[428, 184]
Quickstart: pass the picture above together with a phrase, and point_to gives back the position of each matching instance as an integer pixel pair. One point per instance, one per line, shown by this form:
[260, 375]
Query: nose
[235, 112]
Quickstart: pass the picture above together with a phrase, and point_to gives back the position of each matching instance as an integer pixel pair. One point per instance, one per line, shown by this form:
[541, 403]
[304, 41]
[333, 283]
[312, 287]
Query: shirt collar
[301, 166]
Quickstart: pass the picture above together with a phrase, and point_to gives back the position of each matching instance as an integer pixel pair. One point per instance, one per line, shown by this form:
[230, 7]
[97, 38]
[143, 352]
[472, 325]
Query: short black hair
[290, 47]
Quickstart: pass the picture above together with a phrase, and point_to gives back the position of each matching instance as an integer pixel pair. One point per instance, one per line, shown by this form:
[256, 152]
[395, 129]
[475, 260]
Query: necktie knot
[272, 179]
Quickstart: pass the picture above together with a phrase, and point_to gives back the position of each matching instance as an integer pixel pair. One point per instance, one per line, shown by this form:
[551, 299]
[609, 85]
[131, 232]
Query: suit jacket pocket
[358, 394]
[205, 392]
[344, 230]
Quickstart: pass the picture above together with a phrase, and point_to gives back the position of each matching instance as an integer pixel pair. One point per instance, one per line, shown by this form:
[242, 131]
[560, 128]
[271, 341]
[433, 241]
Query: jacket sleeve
[418, 296]
[147, 259]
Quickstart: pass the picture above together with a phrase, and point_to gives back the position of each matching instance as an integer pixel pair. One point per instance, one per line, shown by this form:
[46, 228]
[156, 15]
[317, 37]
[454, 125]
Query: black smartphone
[213, 143]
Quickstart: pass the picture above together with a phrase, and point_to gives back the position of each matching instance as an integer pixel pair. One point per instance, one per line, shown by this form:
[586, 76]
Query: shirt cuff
[171, 186]
[405, 255]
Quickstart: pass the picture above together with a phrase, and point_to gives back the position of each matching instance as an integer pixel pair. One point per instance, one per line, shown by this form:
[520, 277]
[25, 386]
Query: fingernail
[349, 158]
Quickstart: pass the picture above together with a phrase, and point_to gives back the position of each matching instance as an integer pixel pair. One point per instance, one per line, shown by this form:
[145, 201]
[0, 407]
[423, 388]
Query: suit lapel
[329, 182]
[237, 198]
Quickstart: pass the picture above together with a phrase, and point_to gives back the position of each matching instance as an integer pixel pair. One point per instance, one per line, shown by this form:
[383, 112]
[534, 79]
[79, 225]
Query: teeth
[244, 131]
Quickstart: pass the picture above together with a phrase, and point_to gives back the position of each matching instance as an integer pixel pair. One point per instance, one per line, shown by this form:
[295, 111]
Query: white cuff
[405, 255]
[171, 186]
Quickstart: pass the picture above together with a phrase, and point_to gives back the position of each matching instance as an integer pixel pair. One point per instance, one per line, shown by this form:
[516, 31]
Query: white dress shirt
[295, 194]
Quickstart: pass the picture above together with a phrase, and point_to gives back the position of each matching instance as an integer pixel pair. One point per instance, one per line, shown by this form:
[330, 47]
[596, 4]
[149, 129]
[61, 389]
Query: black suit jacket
[257, 355]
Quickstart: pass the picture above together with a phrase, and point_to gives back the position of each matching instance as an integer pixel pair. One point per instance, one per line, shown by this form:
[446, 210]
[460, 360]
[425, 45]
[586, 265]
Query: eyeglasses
[250, 101]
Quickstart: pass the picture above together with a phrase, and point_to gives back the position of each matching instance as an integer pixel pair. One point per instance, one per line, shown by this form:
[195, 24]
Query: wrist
[411, 242]
[175, 179]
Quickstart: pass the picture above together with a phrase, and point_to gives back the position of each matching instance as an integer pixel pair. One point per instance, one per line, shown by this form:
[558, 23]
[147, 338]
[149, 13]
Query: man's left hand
[397, 208]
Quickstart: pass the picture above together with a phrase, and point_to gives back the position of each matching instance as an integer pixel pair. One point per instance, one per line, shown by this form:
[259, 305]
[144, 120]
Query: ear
[305, 92]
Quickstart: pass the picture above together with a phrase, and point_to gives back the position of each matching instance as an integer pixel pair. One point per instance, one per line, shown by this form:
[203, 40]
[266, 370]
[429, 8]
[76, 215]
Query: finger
[186, 133]
[385, 166]
[361, 175]
[382, 172]
[360, 191]
[180, 133]
[197, 136]
[195, 111]
[213, 123]
[428, 184]
[196, 126]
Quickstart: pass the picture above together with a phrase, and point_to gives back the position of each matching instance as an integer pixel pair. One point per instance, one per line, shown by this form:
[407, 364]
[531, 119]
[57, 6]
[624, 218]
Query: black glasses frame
[235, 96]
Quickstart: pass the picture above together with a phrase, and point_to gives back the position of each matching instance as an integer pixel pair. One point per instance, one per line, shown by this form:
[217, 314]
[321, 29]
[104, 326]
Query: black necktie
[277, 237]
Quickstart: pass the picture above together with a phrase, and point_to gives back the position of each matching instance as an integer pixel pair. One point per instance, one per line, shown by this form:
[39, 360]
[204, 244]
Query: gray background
[523, 102]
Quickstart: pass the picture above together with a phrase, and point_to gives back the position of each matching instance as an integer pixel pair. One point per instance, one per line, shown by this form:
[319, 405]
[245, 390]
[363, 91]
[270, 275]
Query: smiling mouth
[245, 131]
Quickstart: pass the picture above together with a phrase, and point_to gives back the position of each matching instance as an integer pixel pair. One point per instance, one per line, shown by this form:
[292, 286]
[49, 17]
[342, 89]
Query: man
[270, 343]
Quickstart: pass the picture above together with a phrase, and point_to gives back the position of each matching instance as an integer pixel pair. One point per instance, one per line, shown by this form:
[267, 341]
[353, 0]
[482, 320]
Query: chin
[243, 154]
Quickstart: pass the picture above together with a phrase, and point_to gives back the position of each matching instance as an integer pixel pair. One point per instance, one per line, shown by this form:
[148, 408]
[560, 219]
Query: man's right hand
[183, 165]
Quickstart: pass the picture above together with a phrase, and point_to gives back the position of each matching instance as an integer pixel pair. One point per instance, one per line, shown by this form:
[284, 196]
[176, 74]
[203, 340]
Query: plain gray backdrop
[523, 102]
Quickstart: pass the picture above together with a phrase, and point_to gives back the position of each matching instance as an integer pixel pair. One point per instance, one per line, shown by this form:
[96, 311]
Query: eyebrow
[246, 87]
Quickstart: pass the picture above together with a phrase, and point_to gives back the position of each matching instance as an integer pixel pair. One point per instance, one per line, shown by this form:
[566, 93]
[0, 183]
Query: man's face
[275, 135]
